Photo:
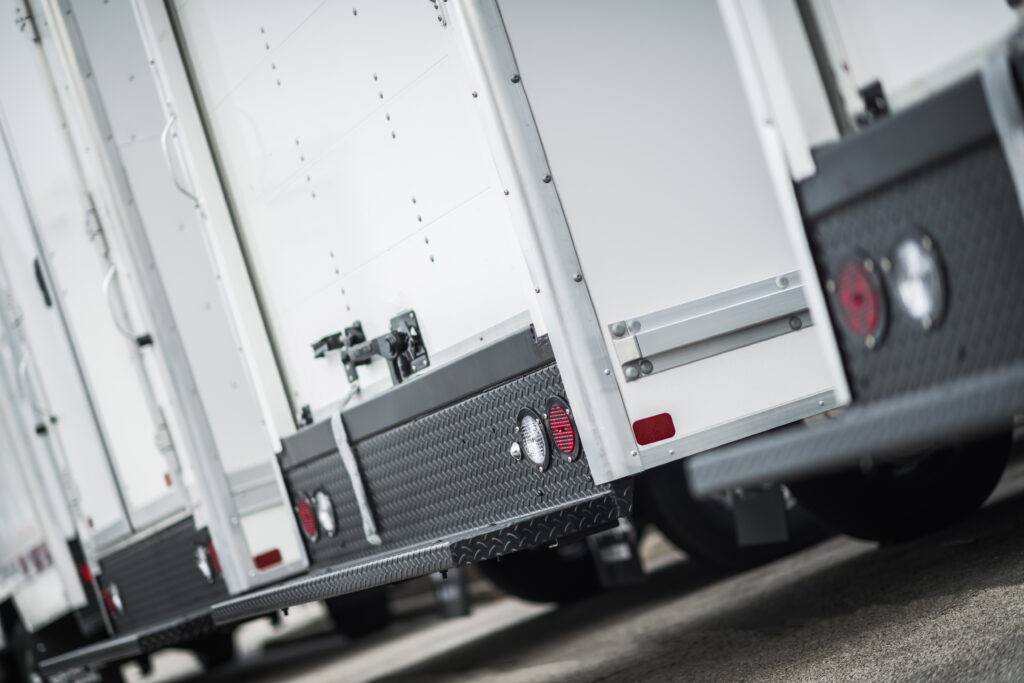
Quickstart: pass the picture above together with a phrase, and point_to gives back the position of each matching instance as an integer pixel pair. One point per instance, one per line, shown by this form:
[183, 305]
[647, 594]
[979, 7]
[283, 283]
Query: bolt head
[782, 282]
[618, 329]
[795, 323]
[631, 372]
[646, 367]
[515, 450]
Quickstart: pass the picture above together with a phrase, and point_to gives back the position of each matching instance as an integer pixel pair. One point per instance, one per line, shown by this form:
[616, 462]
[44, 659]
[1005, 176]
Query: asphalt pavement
[947, 607]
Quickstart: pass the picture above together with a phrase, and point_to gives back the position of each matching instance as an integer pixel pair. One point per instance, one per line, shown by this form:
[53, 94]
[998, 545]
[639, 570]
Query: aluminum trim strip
[354, 476]
[108, 650]
[563, 297]
[999, 88]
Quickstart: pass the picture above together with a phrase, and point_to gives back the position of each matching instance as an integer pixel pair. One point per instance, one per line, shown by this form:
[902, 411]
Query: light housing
[203, 562]
[533, 438]
[112, 596]
[307, 518]
[325, 513]
[861, 300]
[564, 437]
[918, 280]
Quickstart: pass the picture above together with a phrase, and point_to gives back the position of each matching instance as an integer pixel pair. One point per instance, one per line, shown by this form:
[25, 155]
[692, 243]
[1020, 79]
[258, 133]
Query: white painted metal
[361, 177]
[671, 196]
[913, 47]
[78, 257]
[218, 421]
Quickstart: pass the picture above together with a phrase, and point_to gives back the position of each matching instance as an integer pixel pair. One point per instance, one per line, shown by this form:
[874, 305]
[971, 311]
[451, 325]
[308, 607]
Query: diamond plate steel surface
[181, 631]
[158, 578]
[366, 573]
[968, 206]
[587, 516]
[443, 474]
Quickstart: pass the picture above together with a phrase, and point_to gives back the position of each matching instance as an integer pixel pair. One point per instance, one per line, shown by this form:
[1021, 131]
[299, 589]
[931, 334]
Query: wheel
[560, 574]
[360, 614]
[899, 501]
[214, 650]
[705, 529]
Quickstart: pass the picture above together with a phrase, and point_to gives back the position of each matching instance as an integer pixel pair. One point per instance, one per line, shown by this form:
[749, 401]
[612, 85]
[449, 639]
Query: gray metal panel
[158, 578]
[444, 473]
[949, 411]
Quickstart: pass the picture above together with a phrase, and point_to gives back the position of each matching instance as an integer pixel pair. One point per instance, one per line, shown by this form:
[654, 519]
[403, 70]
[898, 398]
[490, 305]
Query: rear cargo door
[644, 127]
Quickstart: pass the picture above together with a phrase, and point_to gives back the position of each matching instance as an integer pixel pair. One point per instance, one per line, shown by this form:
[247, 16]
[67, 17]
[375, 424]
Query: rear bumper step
[585, 516]
[944, 412]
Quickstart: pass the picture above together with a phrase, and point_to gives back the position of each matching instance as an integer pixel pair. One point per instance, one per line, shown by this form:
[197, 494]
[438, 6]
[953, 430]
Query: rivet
[870, 341]
[546, 179]
[869, 265]
[474, 93]
[782, 282]
[633, 453]
[536, 290]
[926, 242]
[646, 367]
[634, 326]
[795, 323]
[821, 404]
[607, 371]
[926, 322]
[506, 193]
[886, 264]
[618, 329]
[830, 285]
[631, 372]
[576, 277]
[515, 78]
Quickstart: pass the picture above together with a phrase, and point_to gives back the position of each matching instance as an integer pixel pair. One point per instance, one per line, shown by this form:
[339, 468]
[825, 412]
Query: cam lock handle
[402, 347]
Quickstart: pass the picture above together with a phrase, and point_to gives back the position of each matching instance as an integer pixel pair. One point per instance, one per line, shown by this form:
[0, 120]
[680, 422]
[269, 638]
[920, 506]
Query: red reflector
[86, 572]
[267, 559]
[214, 562]
[654, 428]
[562, 432]
[167, 479]
[860, 299]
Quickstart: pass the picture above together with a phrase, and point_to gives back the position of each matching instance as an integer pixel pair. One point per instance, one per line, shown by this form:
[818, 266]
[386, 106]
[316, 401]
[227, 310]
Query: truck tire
[561, 574]
[705, 529]
[359, 614]
[894, 502]
[215, 650]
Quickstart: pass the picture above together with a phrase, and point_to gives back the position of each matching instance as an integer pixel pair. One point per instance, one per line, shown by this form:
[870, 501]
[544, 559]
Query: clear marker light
[533, 439]
[325, 513]
[919, 281]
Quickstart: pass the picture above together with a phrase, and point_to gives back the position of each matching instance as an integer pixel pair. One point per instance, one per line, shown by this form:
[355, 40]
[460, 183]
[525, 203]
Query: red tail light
[307, 518]
[861, 301]
[563, 431]
[85, 571]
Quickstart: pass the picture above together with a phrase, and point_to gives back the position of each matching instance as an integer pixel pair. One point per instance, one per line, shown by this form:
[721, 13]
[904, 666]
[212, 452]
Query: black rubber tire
[705, 529]
[561, 574]
[894, 503]
[215, 650]
[359, 614]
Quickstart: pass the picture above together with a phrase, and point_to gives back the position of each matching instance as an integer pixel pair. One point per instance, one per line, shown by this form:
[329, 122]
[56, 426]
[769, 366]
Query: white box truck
[405, 285]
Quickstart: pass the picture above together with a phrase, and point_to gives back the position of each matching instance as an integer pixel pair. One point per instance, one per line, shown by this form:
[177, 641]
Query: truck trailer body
[346, 295]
